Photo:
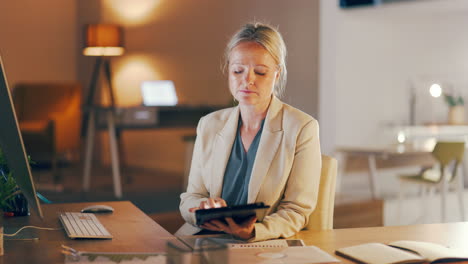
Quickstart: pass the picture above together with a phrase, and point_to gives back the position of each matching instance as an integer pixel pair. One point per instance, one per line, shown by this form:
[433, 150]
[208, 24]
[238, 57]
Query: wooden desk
[115, 121]
[136, 232]
[449, 234]
[132, 229]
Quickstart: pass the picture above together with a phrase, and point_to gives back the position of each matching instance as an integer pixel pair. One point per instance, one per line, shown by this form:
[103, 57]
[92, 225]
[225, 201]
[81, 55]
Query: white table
[418, 140]
[372, 154]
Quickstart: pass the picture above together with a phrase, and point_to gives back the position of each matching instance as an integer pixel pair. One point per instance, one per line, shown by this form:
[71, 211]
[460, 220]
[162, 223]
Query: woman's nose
[250, 77]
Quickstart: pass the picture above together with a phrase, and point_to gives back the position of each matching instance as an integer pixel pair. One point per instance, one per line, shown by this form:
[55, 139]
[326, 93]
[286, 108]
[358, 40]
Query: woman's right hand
[210, 203]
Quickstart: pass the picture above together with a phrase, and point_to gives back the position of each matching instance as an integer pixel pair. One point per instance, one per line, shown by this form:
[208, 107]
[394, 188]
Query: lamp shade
[103, 40]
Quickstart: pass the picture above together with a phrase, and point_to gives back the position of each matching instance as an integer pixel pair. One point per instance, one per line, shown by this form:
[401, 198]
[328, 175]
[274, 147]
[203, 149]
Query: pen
[68, 251]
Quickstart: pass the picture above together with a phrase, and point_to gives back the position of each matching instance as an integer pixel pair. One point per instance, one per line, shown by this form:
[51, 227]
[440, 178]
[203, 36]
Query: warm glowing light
[129, 73]
[103, 40]
[435, 90]
[133, 12]
[103, 51]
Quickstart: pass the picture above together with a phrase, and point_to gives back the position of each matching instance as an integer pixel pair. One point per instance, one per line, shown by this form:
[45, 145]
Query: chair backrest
[39, 101]
[322, 217]
[51, 101]
[447, 152]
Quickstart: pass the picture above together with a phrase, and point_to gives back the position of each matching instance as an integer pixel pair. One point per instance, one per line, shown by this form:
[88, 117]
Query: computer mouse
[98, 208]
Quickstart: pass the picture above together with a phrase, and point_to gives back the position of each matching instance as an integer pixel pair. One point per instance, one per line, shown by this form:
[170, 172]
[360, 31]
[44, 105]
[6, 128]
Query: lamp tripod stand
[91, 110]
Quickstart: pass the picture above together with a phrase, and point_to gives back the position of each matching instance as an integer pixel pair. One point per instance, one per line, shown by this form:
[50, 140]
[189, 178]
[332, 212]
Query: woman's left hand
[244, 230]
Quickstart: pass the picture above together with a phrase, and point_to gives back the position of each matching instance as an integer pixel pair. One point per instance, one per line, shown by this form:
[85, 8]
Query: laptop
[158, 93]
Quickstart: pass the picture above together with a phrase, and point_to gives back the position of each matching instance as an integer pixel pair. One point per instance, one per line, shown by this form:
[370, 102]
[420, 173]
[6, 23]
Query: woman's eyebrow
[241, 64]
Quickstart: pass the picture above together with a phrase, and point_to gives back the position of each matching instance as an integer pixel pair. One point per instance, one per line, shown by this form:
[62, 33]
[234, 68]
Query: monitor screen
[12, 146]
[158, 93]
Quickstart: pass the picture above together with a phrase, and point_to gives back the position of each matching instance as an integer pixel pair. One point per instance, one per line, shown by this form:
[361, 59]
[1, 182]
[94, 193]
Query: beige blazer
[285, 175]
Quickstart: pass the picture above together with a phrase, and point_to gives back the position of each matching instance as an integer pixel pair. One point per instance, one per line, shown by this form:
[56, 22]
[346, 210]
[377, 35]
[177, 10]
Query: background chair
[448, 155]
[49, 116]
[322, 217]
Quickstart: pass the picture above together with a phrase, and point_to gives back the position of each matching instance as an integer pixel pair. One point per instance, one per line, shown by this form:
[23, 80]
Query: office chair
[49, 115]
[448, 155]
[322, 217]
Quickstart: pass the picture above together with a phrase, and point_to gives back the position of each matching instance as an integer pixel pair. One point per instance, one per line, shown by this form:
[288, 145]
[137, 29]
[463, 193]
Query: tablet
[239, 213]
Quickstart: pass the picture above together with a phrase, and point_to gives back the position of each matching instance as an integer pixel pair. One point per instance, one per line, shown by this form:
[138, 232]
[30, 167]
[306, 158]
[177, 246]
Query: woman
[260, 151]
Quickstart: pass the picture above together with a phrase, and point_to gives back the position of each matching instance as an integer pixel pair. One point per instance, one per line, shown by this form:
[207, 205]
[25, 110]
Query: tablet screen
[239, 213]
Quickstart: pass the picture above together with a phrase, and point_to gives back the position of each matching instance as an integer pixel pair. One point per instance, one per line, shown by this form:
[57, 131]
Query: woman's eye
[237, 71]
[260, 73]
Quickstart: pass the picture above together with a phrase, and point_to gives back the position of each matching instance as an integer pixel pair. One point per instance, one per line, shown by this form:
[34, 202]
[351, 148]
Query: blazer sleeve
[196, 189]
[301, 190]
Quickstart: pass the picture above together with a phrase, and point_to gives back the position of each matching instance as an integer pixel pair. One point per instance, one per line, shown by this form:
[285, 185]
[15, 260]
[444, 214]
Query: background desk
[380, 157]
[391, 156]
[133, 118]
[133, 231]
[420, 139]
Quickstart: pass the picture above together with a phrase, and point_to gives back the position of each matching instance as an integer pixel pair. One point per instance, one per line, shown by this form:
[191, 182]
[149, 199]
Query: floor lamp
[102, 41]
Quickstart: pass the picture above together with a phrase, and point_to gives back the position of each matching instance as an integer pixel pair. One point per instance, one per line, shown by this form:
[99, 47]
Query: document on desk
[278, 251]
[296, 255]
[112, 258]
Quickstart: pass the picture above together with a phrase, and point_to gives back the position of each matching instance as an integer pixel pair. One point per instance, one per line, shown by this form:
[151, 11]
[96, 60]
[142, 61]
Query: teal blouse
[239, 169]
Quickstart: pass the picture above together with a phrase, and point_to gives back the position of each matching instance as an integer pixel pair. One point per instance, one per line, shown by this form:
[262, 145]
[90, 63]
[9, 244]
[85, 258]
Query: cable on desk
[42, 197]
[35, 227]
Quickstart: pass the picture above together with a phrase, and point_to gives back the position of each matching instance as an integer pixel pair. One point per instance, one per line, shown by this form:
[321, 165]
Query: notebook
[401, 252]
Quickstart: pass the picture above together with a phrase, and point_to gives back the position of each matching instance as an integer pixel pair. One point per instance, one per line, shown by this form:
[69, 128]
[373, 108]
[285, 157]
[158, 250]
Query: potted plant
[456, 114]
[12, 202]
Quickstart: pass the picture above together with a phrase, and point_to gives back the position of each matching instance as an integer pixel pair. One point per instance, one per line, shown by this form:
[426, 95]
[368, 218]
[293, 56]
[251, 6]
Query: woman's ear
[278, 74]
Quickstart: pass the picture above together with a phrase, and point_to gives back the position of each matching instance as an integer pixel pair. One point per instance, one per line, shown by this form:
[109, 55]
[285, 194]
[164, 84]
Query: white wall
[368, 57]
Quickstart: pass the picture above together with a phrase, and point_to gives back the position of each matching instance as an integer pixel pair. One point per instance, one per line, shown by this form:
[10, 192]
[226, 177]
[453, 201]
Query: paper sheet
[290, 255]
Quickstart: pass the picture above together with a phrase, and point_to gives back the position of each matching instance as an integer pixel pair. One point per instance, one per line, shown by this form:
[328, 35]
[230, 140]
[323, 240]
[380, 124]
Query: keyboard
[83, 225]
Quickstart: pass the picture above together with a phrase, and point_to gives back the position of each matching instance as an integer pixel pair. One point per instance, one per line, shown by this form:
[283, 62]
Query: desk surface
[449, 234]
[132, 229]
[135, 232]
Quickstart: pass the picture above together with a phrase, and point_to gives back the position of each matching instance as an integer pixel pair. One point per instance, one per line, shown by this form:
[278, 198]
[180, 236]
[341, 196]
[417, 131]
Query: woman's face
[252, 74]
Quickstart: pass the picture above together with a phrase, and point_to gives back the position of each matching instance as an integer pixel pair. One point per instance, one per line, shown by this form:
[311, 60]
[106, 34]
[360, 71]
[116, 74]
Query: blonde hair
[270, 39]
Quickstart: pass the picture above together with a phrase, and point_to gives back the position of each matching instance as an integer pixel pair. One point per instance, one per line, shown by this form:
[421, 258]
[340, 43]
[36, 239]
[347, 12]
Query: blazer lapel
[269, 143]
[221, 151]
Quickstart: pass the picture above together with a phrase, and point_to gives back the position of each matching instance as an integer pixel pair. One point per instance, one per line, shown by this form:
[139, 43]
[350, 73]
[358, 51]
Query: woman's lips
[246, 91]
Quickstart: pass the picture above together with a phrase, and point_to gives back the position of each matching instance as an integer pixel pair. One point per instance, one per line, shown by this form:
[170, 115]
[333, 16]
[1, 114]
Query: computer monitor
[12, 145]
